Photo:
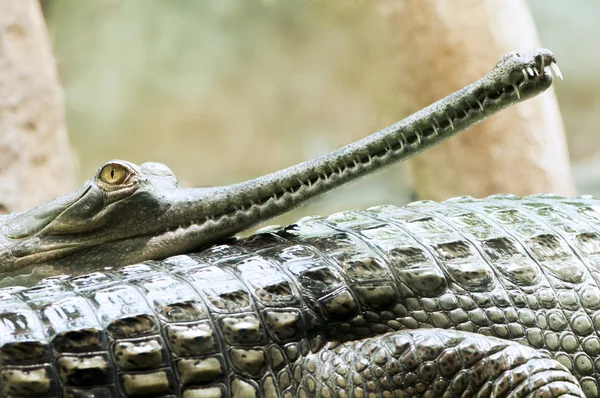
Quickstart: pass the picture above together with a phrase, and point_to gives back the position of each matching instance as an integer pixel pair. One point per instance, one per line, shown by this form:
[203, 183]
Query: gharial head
[127, 213]
[110, 220]
[525, 73]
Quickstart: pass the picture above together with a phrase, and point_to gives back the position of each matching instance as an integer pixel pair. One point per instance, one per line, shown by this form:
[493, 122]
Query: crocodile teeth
[530, 71]
[480, 105]
[403, 140]
[450, 121]
[388, 147]
[556, 70]
[517, 91]
[525, 76]
[466, 110]
[401, 145]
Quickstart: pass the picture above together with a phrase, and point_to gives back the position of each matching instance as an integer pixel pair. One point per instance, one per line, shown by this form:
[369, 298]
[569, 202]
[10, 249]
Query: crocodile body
[332, 306]
[426, 300]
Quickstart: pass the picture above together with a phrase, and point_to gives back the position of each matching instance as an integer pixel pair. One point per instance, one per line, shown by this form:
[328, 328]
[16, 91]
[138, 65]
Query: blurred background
[223, 91]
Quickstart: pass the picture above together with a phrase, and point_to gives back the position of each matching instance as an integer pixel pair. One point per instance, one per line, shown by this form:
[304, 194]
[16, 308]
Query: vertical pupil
[112, 173]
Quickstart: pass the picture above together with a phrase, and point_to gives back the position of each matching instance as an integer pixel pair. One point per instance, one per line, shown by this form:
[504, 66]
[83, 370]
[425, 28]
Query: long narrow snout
[128, 213]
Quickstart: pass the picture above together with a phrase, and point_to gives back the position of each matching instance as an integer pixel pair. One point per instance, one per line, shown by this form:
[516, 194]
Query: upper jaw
[524, 75]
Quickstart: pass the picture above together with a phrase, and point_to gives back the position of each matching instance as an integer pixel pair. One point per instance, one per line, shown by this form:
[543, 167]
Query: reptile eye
[113, 174]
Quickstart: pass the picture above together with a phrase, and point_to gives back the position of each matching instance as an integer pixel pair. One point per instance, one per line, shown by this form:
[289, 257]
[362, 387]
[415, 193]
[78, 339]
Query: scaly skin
[319, 308]
[324, 308]
[127, 213]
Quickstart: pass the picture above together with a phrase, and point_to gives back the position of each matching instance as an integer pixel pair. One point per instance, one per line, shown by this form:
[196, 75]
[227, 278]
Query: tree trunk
[35, 158]
[521, 150]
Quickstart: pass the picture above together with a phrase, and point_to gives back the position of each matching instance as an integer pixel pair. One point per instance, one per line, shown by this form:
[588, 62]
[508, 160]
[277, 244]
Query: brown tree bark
[521, 150]
[35, 158]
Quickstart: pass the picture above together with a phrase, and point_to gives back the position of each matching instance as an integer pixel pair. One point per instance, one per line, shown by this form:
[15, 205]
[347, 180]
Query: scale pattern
[338, 306]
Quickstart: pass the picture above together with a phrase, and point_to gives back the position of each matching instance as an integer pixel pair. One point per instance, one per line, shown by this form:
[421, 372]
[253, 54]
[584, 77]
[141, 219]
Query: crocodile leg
[430, 362]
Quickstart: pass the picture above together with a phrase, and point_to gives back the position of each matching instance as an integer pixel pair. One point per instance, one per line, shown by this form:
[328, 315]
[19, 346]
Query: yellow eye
[113, 174]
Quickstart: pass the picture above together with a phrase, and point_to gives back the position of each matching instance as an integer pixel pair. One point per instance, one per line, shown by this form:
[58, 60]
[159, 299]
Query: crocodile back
[232, 316]
[524, 269]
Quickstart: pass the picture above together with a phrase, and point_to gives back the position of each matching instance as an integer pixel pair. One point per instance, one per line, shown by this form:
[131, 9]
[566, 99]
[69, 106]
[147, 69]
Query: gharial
[431, 299]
